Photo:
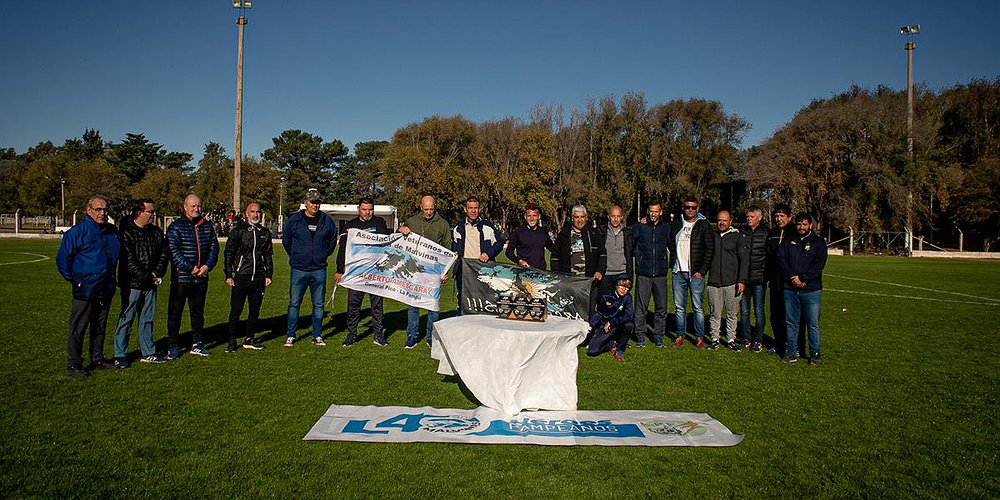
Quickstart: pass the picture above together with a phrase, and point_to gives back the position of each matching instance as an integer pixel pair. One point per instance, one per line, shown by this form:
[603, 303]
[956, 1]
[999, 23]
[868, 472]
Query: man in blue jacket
[652, 266]
[801, 259]
[309, 238]
[194, 251]
[86, 258]
[473, 238]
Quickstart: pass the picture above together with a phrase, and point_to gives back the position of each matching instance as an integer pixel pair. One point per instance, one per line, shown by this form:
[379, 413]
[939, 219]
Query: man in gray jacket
[726, 279]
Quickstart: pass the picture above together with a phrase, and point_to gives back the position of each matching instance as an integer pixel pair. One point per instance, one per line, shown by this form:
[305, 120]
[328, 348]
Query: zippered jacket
[490, 239]
[561, 260]
[730, 260]
[249, 252]
[87, 257]
[192, 244]
[612, 309]
[308, 251]
[702, 244]
[757, 245]
[144, 252]
[804, 257]
[652, 248]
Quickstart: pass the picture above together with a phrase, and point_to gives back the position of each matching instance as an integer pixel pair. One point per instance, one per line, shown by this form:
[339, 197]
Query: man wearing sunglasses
[141, 268]
[693, 247]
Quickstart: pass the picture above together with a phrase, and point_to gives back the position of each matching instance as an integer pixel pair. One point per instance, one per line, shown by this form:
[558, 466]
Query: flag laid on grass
[400, 424]
[407, 269]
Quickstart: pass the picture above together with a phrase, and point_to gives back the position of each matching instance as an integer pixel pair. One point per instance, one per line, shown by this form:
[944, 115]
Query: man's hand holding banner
[408, 269]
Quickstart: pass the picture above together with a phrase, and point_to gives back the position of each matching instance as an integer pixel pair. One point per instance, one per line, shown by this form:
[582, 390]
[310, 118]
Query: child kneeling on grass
[612, 324]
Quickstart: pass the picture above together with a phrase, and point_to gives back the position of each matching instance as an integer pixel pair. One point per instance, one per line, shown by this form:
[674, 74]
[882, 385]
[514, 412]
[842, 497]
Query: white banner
[400, 424]
[407, 269]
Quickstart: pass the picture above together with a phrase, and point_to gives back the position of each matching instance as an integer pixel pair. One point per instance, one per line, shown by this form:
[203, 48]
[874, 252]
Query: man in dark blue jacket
[652, 266]
[194, 251]
[86, 258]
[309, 238]
[801, 259]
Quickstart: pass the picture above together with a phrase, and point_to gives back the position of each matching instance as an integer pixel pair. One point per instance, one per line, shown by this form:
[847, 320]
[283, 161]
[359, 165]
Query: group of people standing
[736, 266]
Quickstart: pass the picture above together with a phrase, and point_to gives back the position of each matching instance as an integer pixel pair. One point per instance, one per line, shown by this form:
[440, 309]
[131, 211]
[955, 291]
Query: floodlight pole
[241, 21]
[909, 31]
[62, 201]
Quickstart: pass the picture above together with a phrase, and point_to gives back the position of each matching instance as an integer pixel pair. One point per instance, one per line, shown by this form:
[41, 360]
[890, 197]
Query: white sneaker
[289, 341]
[319, 341]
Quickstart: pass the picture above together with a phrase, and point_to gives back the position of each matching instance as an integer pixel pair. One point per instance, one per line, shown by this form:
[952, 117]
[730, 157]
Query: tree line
[843, 158]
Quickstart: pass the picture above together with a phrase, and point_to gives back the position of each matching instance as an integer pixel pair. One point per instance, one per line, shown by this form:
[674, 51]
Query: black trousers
[245, 292]
[354, 299]
[602, 342]
[84, 314]
[194, 295]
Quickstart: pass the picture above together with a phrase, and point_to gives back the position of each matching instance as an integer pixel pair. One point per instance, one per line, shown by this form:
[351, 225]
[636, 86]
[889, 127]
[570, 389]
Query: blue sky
[358, 70]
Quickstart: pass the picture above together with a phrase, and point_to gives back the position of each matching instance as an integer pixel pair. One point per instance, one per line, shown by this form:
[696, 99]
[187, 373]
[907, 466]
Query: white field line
[41, 258]
[910, 297]
[994, 301]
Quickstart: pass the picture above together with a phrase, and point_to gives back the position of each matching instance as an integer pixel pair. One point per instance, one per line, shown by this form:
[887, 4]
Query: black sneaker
[350, 340]
[77, 371]
[712, 345]
[790, 357]
[814, 360]
[380, 341]
[734, 346]
[252, 344]
[103, 364]
[231, 347]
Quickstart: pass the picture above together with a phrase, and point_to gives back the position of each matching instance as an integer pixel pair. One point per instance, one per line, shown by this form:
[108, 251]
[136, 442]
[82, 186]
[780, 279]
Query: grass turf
[904, 405]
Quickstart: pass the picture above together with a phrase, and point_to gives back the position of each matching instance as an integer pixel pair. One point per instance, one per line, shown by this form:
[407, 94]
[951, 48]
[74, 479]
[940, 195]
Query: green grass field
[904, 405]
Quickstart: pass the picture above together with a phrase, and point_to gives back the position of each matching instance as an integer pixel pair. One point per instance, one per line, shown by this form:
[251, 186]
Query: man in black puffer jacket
[248, 268]
[141, 266]
[756, 235]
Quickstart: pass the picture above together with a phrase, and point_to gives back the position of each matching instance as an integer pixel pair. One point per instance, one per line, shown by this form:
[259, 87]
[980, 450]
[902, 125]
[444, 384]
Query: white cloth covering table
[512, 365]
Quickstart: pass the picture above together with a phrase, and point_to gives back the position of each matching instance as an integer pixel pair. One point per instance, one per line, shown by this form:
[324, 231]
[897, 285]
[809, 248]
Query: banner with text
[399, 424]
[567, 296]
[403, 268]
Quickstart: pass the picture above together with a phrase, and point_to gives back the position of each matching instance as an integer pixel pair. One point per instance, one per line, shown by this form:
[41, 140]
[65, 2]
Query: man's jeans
[413, 323]
[681, 284]
[753, 293]
[802, 304]
[644, 287]
[142, 302]
[299, 280]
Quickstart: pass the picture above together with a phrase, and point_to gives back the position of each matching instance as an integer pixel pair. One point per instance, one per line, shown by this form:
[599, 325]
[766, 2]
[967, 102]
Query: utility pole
[909, 32]
[241, 21]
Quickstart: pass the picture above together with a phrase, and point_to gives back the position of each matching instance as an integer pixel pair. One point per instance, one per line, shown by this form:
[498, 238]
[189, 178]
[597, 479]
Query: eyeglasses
[99, 209]
[690, 207]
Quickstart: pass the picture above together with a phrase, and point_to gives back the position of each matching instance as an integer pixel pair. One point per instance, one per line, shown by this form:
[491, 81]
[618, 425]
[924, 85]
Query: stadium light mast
[241, 21]
[909, 32]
